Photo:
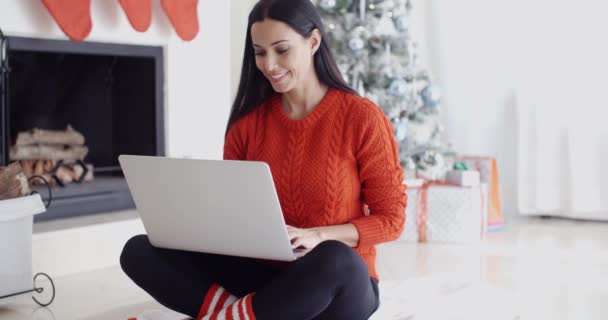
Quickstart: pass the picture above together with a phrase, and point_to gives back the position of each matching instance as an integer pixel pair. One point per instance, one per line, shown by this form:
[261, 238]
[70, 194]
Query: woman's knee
[336, 258]
[133, 251]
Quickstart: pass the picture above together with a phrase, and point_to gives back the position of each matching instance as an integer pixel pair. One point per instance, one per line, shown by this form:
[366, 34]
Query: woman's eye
[282, 51]
[259, 53]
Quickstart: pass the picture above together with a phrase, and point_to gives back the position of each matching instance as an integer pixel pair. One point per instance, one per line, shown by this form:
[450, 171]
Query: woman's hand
[306, 239]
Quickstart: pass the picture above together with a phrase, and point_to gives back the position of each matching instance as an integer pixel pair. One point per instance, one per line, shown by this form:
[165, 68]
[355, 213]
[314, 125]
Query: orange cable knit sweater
[328, 165]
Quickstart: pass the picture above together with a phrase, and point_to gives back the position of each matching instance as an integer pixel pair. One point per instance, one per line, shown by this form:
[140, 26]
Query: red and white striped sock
[216, 299]
[241, 309]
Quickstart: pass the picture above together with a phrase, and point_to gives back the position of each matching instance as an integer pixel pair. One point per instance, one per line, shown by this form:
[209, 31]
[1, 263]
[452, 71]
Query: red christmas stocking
[73, 17]
[139, 13]
[183, 16]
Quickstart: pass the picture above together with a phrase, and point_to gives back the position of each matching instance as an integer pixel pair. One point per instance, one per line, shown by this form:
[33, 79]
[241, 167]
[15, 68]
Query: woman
[330, 152]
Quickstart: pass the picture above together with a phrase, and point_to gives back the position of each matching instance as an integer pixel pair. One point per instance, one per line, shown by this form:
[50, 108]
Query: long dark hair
[301, 16]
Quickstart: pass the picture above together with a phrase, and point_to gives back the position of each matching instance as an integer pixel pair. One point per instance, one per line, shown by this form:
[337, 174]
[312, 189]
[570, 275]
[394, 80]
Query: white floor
[533, 269]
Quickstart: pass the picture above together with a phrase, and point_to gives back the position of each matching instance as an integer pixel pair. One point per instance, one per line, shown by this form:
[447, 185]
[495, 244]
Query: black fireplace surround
[111, 93]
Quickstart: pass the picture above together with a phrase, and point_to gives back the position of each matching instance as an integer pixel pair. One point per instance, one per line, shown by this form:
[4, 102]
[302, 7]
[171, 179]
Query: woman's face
[283, 55]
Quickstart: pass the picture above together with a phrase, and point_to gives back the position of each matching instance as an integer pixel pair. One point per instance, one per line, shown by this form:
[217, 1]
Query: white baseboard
[79, 248]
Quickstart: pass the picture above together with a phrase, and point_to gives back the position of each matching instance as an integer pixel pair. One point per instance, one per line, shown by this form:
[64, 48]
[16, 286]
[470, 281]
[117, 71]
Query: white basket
[16, 218]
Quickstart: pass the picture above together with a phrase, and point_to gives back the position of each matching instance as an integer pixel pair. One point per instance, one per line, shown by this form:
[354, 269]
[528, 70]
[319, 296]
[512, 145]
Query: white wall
[471, 55]
[197, 73]
[239, 10]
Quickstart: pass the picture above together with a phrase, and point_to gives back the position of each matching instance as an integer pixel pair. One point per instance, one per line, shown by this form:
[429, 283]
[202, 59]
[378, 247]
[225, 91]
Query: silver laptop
[213, 206]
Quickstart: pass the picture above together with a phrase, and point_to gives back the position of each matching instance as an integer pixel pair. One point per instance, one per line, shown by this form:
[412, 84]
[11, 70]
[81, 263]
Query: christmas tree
[378, 57]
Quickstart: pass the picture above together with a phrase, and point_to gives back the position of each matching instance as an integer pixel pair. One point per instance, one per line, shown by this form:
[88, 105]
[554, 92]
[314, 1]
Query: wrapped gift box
[488, 174]
[464, 178]
[445, 213]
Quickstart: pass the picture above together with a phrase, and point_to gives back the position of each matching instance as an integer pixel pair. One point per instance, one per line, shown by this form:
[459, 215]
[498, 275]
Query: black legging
[330, 282]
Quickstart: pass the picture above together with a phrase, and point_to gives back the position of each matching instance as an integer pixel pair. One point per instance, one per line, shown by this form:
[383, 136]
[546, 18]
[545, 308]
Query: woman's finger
[296, 244]
[292, 234]
[292, 231]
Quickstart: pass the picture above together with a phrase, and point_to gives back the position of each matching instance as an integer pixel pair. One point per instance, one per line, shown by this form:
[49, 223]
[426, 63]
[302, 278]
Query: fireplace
[112, 94]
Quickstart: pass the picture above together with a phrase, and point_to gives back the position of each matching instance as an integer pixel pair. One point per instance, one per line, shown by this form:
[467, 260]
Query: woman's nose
[270, 64]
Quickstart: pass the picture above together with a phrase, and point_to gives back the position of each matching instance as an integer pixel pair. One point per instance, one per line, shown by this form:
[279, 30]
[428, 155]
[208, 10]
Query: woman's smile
[278, 77]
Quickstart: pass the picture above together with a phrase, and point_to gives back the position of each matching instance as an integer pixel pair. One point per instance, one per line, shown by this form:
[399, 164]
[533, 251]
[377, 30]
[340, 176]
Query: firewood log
[47, 177]
[13, 182]
[28, 167]
[78, 172]
[64, 174]
[42, 136]
[39, 168]
[48, 165]
[48, 152]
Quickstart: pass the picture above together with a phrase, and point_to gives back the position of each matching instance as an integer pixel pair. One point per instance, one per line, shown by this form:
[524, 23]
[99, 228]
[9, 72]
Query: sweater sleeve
[235, 144]
[381, 178]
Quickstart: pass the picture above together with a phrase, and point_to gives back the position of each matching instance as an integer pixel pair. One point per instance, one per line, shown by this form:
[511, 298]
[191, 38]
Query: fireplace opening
[72, 108]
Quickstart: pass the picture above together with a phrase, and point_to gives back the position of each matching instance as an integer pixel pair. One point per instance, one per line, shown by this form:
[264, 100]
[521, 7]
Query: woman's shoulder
[360, 107]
